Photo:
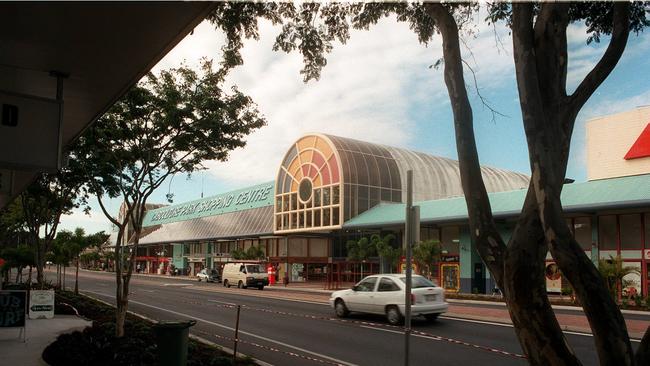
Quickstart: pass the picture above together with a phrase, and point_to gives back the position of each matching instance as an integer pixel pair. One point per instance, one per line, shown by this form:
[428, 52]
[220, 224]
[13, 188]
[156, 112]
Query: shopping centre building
[330, 189]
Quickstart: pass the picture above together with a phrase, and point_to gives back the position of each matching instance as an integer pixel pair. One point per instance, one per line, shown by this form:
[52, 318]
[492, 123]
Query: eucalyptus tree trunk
[517, 269]
[549, 114]
[76, 278]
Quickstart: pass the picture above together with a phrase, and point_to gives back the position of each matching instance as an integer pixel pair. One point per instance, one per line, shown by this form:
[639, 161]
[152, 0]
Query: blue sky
[379, 87]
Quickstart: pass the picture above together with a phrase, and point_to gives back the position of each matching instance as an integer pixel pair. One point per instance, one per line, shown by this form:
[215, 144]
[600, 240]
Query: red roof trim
[641, 147]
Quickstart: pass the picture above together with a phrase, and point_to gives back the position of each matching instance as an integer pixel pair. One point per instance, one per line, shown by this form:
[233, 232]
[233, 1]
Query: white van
[244, 275]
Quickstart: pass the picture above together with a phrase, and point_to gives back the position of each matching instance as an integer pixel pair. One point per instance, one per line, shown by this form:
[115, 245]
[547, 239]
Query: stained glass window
[308, 186]
[326, 180]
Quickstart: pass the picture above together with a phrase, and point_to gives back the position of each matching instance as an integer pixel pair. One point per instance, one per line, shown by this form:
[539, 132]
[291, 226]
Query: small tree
[614, 272]
[167, 124]
[38, 209]
[64, 249]
[19, 258]
[361, 250]
[425, 254]
[252, 253]
[387, 252]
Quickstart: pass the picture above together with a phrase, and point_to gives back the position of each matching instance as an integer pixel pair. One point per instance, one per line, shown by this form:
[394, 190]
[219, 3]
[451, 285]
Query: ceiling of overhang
[104, 47]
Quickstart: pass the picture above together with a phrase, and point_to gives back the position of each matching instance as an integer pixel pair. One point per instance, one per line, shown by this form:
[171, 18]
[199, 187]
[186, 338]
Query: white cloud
[92, 223]
[365, 92]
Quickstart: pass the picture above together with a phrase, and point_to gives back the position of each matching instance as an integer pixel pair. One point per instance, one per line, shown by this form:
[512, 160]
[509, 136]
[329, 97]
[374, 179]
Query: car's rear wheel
[393, 315]
[340, 309]
[225, 283]
[260, 288]
[199, 279]
[431, 317]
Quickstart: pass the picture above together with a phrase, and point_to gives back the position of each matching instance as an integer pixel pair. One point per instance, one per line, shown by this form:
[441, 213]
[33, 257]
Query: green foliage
[361, 250]
[167, 124]
[597, 16]
[19, 257]
[312, 29]
[252, 253]
[613, 272]
[386, 250]
[426, 254]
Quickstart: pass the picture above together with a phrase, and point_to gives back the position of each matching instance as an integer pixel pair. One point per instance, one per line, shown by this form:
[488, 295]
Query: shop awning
[588, 197]
[245, 223]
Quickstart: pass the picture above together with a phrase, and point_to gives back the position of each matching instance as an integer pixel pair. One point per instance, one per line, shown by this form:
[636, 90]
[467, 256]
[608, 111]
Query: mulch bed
[97, 345]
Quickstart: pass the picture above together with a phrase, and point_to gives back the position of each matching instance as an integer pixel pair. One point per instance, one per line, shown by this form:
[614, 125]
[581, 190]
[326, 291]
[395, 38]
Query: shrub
[97, 345]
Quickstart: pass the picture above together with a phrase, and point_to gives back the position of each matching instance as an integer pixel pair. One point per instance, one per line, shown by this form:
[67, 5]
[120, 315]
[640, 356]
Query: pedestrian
[137, 268]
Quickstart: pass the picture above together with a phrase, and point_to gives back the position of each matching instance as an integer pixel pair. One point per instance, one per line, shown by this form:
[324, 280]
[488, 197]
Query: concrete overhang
[104, 47]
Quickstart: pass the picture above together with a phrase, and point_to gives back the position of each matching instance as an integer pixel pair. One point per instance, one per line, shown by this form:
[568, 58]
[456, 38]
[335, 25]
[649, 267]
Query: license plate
[430, 297]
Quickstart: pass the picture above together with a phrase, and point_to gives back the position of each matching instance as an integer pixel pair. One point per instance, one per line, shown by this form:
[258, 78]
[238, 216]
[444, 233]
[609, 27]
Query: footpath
[571, 318]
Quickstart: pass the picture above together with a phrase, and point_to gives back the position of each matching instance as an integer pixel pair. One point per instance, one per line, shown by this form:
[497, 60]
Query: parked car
[384, 294]
[245, 275]
[208, 275]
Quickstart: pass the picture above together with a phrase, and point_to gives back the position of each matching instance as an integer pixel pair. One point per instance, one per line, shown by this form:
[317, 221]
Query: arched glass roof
[325, 180]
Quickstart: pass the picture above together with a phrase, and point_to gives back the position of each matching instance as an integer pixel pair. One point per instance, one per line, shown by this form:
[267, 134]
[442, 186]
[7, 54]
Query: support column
[594, 240]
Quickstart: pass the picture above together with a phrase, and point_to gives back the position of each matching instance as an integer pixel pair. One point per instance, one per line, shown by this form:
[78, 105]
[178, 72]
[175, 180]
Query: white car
[208, 276]
[384, 294]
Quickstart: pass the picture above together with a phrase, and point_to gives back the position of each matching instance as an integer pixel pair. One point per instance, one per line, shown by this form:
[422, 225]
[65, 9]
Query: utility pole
[407, 242]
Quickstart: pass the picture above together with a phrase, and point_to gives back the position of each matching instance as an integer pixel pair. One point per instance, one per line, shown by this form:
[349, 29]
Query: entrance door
[450, 277]
[478, 280]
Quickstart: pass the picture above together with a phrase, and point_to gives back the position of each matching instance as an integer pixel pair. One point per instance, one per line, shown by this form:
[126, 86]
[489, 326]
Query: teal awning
[624, 192]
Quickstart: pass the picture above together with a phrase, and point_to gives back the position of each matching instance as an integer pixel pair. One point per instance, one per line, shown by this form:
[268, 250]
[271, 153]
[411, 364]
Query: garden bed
[97, 345]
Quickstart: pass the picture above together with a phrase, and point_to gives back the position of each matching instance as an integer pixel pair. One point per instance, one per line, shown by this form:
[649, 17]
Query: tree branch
[620, 33]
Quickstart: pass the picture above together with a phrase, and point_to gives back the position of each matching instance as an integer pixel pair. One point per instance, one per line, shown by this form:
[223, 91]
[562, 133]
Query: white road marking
[511, 326]
[223, 302]
[240, 331]
[177, 284]
[381, 329]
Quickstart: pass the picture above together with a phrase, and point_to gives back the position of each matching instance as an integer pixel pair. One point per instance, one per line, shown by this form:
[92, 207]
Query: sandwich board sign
[41, 304]
[13, 307]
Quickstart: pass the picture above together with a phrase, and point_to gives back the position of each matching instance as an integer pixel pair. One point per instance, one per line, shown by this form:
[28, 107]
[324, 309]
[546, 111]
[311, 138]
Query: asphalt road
[301, 330]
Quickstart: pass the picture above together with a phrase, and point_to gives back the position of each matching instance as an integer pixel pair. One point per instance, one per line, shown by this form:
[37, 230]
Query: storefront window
[607, 238]
[631, 232]
[647, 229]
[282, 248]
[582, 232]
[298, 247]
[318, 247]
[450, 239]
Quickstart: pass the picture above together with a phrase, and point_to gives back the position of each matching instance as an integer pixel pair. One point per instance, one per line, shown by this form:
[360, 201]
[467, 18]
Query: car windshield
[418, 282]
[255, 268]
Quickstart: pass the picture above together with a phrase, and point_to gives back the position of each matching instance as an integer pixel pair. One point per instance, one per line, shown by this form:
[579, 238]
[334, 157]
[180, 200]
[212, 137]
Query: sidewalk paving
[40, 333]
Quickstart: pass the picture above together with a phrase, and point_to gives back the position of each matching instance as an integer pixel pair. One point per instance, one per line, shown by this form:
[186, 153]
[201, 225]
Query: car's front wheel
[393, 315]
[340, 309]
[226, 284]
[199, 278]
[240, 284]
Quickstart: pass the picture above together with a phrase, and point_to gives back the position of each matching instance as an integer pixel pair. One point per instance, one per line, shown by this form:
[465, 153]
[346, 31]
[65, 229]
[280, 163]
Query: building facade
[330, 190]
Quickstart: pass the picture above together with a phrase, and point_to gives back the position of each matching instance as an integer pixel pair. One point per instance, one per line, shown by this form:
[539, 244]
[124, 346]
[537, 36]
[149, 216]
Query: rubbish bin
[172, 338]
